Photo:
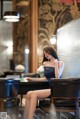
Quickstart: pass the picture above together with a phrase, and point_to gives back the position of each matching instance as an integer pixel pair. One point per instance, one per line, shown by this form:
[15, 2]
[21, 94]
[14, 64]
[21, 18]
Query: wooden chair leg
[44, 115]
[1, 105]
[77, 109]
[63, 116]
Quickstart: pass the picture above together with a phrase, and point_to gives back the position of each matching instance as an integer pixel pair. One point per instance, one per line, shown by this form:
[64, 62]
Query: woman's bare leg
[31, 101]
[27, 105]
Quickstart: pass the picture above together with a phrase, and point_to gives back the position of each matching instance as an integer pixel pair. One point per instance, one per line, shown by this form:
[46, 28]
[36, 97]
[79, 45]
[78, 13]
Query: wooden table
[28, 86]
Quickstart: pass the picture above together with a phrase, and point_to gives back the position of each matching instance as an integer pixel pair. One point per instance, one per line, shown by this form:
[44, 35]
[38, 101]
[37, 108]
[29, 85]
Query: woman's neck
[52, 59]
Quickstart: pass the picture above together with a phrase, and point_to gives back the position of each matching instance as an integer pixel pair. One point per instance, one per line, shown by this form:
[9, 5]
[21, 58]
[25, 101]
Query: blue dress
[49, 73]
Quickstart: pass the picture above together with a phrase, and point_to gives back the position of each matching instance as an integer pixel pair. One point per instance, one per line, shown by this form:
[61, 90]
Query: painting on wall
[54, 14]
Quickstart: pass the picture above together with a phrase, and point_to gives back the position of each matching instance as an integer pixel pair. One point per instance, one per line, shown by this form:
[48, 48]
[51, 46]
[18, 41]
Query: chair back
[9, 88]
[65, 88]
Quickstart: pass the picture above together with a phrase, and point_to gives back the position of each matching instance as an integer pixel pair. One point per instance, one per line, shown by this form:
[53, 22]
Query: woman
[52, 69]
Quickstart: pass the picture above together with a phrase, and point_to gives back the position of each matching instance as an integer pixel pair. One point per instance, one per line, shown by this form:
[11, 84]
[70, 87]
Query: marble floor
[17, 113]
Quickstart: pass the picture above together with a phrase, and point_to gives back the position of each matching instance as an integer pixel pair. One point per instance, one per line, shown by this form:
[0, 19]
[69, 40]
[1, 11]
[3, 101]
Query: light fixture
[12, 20]
[23, 3]
[53, 39]
[27, 51]
[11, 16]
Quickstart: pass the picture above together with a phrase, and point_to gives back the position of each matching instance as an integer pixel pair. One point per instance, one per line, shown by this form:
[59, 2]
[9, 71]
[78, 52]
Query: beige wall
[5, 41]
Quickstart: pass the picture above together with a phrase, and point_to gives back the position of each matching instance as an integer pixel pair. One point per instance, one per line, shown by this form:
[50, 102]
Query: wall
[54, 14]
[5, 42]
[22, 31]
[68, 48]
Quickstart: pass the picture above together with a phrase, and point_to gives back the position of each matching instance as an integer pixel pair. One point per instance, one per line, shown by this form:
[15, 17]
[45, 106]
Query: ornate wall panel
[22, 31]
[53, 14]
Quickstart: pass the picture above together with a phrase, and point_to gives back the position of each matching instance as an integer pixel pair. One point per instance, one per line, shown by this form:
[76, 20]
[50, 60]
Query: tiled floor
[17, 113]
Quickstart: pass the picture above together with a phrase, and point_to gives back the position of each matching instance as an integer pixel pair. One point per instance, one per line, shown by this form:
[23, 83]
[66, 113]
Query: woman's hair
[50, 51]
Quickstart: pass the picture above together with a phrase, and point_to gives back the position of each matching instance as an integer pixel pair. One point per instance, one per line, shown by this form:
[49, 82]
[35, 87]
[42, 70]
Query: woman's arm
[56, 69]
[36, 79]
[59, 66]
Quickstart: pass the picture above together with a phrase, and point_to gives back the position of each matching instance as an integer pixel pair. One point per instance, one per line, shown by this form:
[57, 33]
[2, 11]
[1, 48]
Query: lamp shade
[23, 3]
[12, 20]
[11, 16]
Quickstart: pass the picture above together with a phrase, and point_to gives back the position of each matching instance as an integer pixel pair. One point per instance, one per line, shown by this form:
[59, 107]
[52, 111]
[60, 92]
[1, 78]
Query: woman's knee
[31, 94]
[28, 95]
[34, 95]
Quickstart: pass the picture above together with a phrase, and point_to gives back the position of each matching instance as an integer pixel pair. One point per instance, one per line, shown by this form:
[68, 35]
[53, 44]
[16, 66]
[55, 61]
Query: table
[28, 86]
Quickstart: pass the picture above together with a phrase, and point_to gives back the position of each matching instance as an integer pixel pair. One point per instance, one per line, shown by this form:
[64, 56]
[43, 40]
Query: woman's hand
[56, 63]
[29, 79]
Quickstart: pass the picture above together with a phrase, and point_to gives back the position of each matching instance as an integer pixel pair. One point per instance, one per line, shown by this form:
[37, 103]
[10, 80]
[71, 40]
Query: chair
[65, 95]
[8, 92]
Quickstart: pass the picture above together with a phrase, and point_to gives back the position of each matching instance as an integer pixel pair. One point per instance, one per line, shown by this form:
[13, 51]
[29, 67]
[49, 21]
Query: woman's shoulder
[46, 63]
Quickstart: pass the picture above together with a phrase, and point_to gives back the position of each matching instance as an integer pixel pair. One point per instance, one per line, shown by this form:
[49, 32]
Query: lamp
[11, 16]
[53, 39]
[12, 20]
[23, 3]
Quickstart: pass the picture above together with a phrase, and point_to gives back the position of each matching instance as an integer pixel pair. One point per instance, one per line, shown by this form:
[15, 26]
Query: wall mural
[53, 14]
[22, 30]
